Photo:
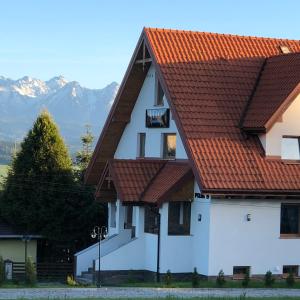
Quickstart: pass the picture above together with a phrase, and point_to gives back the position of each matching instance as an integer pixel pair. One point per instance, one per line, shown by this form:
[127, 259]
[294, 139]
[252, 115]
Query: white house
[199, 159]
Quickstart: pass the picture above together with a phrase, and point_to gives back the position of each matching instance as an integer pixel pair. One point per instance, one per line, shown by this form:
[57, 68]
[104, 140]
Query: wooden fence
[45, 271]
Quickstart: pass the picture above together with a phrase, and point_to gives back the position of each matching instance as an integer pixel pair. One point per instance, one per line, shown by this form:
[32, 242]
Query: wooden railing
[45, 271]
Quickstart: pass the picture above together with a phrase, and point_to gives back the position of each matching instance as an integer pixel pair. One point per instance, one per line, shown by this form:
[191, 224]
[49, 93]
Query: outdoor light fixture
[248, 217]
[99, 232]
[199, 217]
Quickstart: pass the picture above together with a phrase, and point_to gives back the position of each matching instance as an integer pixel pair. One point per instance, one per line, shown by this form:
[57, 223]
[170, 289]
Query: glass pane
[290, 148]
[289, 219]
[170, 146]
[113, 215]
[179, 218]
[151, 219]
[159, 94]
[142, 142]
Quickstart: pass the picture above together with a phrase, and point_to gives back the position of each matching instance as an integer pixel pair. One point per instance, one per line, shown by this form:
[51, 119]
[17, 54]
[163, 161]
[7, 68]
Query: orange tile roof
[279, 78]
[209, 79]
[146, 180]
[170, 177]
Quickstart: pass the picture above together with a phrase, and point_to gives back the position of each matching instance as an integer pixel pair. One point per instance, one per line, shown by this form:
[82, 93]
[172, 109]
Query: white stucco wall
[200, 232]
[175, 251]
[234, 241]
[127, 148]
[289, 125]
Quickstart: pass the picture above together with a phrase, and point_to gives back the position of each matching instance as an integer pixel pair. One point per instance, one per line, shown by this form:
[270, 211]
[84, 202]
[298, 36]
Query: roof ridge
[151, 180]
[248, 103]
[218, 34]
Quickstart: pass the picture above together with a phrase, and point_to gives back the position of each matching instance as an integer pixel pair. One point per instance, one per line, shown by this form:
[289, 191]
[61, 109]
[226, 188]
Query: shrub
[269, 279]
[168, 278]
[71, 281]
[246, 280]
[30, 272]
[2, 271]
[195, 279]
[290, 280]
[220, 281]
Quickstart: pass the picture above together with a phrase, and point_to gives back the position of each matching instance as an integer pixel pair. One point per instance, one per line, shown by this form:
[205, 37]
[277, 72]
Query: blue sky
[91, 41]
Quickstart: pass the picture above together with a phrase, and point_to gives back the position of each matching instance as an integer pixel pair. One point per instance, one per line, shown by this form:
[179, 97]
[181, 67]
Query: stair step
[83, 280]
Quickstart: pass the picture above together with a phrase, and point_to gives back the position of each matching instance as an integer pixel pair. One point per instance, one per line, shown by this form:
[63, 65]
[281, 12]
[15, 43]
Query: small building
[15, 245]
[199, 159]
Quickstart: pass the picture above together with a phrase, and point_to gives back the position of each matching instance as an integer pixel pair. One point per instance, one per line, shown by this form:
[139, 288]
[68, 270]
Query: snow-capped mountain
[71, 105]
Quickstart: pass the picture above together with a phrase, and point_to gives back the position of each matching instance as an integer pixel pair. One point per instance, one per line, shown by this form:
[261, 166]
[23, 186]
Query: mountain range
[71, 105]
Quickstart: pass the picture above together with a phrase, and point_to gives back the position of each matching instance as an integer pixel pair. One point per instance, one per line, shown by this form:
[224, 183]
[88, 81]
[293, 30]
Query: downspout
[158, 249]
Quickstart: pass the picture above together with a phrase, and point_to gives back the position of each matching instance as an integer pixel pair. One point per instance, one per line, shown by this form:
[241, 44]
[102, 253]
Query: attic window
[159, 93]
[284, 49]
[290, 148]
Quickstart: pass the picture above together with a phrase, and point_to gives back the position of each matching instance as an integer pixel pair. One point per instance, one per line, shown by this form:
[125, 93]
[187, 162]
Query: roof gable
[277, 88]
[208, 80]
[148, 180]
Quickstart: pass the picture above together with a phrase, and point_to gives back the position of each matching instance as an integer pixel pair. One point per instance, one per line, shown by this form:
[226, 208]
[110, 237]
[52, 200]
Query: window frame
[159, 93]
[113, 215]
[151, 214]
[240, 275]
[286, 274]
[139, 144]
[178, 228]
[290, 137]
[164, 146]
[289, 234]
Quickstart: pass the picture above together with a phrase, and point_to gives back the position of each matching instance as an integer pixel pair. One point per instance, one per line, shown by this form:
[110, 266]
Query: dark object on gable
[158, 118]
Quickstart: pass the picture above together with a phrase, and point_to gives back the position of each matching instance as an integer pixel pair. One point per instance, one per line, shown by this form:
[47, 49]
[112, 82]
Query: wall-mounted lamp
[199, 217]
[248, 217]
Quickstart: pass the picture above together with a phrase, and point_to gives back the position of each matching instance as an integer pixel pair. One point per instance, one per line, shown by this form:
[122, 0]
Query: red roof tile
[169, 178]
[131, 177]
[209, 79]
[279, 77]
[146, 180]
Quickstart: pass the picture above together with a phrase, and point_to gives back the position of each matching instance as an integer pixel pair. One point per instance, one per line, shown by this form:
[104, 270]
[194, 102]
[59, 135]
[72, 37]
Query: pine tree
[37, 193]
[83, 157]
[43, 195]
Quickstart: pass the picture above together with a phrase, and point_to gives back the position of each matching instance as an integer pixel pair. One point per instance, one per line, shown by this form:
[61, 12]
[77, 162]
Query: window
[284, 49]
[169, 145]
[179, 218]
[151, 219]
[141, 144]
[286, 270]
[289, 224]
[159, 93]
[128, 217]
[113, 210]
[239, 272]
[290, 148]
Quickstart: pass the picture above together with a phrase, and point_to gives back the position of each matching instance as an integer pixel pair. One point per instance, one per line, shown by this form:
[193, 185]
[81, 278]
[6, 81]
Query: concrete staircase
[87, 277]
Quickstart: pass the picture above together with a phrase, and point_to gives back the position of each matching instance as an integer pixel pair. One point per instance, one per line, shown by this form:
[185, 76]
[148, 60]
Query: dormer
[273, 112]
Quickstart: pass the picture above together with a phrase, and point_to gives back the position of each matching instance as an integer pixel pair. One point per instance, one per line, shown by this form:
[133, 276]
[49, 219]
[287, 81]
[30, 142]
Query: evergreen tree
[96, 212]
[39, 190]
[83, 157]
[43, 195]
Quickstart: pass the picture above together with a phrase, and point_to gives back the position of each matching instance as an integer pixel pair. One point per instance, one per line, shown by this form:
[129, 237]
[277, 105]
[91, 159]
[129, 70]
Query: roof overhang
[147, 181]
